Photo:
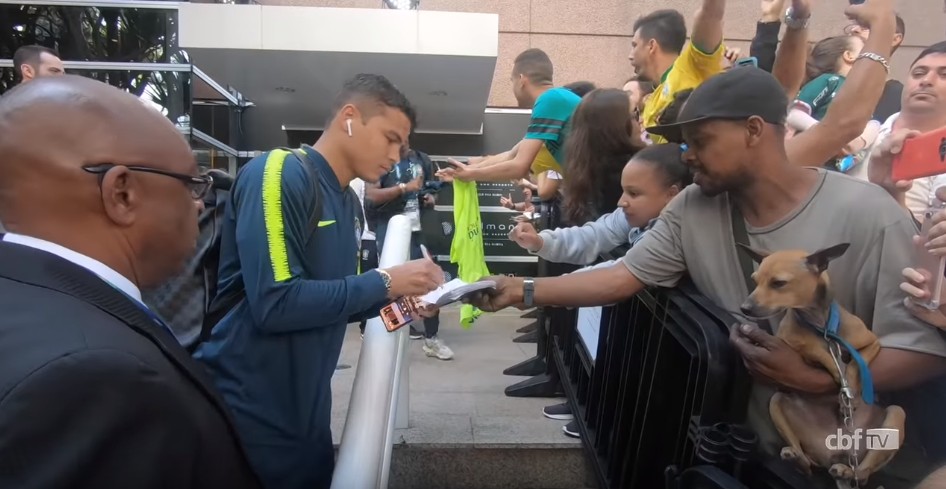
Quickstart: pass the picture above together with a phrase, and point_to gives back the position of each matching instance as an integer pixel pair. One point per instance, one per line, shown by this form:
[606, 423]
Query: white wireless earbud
[348, 123]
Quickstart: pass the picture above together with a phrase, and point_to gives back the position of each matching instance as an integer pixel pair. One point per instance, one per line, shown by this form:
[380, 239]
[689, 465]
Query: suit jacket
[94, 394]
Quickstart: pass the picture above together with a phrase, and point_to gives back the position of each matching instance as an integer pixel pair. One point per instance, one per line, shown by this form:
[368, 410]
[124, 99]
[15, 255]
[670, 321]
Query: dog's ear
[756, 255]
[819, 260]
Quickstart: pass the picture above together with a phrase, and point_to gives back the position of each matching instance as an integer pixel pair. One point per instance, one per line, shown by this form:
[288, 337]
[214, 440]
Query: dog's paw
[841, 472]
[789, 454]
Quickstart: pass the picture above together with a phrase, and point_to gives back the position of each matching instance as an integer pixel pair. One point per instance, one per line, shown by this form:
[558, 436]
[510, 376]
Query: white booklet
[455, 290]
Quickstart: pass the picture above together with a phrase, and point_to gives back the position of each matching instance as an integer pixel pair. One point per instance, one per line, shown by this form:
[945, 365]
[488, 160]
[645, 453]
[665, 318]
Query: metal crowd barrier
[379, 396]
[660, 401]
[543, 375]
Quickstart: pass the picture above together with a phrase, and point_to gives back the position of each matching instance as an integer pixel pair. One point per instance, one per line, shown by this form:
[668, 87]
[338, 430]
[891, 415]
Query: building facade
[590, 39]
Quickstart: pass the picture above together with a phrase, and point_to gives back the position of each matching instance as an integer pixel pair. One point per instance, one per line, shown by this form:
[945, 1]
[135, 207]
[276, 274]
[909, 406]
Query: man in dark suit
[100, 197]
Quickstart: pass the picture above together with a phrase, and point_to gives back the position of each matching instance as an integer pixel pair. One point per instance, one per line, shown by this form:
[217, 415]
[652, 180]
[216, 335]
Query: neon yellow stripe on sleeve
[273, 215]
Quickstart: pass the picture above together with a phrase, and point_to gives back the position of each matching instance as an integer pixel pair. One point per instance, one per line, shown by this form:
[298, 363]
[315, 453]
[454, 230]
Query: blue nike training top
[272, 357]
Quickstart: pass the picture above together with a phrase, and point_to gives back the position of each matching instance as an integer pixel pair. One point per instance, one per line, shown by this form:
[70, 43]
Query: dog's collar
[830, 331]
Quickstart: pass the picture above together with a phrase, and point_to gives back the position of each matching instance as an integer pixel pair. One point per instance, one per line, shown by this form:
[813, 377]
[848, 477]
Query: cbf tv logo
[876, 439]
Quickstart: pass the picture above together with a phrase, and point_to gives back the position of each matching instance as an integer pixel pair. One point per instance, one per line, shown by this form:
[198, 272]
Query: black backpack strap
[741, 235]
[216, 307]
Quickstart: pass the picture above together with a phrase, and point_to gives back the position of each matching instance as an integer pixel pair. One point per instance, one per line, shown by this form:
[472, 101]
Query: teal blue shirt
[551, 120]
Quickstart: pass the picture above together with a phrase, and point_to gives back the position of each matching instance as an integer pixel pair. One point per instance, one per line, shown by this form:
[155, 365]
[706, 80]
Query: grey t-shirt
[694, 236]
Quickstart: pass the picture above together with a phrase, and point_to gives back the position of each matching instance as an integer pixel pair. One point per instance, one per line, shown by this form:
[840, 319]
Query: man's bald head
[52, 130]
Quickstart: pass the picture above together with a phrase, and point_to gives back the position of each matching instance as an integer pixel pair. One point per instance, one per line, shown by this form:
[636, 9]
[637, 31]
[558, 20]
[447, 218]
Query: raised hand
[869, 13]
[457, 171]
[525, 235]
[880, 166]
[801, 9]
[772, 10]
[916, 285]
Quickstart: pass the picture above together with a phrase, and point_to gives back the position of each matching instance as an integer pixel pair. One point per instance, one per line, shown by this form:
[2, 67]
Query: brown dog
[796, 283]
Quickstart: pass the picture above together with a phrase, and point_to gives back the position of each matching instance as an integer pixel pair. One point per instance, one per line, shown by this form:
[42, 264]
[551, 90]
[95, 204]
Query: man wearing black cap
[748, 191]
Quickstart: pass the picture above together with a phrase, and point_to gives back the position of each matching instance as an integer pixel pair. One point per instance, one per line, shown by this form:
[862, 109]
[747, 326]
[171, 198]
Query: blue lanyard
[831, 328]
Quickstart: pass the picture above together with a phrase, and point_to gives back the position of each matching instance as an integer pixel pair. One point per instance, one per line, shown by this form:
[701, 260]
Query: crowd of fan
[807, 177]
[796, 143]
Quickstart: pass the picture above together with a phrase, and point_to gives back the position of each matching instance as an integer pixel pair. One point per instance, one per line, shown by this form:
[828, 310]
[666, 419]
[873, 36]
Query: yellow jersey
[689, 70]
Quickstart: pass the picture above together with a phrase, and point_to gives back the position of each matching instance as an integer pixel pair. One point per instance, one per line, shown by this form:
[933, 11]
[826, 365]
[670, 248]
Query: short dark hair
[667, 27]
[374, 88]
[671, 113]
[30, 55]
[666, 158]
[901, 26]
[535, 65]
[938, 48]
[581, 88]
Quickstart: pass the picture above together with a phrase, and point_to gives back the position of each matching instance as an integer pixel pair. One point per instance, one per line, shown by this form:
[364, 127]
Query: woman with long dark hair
[604, 136]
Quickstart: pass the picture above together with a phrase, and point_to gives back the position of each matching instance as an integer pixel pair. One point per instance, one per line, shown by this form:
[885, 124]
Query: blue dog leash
[831, 332]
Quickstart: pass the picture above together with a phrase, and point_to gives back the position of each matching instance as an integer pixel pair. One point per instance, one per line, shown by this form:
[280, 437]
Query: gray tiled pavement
[461, 401]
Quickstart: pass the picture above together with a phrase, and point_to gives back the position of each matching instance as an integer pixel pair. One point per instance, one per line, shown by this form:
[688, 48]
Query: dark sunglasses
[198, 186]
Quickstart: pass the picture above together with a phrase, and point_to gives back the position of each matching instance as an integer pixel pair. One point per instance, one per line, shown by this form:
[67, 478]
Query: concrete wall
[590, 39]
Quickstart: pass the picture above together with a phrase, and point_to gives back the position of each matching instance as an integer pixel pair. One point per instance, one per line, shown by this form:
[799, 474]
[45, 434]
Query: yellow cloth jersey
[466, 249]
[690, 69]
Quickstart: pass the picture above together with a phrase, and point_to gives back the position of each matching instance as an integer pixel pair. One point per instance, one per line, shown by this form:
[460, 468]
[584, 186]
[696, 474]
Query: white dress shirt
[103, 271]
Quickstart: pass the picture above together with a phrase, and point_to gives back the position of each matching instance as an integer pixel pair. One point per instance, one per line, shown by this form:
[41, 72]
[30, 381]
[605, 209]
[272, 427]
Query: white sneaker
[434, 347]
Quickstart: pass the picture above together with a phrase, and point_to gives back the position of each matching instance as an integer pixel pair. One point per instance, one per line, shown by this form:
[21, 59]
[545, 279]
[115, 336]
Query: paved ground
[461, 401]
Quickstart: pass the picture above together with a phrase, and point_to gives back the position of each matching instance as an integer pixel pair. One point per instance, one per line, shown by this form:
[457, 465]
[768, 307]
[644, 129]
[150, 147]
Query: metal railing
[379, 397]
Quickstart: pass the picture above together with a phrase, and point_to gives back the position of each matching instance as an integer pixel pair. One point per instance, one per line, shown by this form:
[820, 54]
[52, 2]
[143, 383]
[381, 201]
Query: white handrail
[364, 455]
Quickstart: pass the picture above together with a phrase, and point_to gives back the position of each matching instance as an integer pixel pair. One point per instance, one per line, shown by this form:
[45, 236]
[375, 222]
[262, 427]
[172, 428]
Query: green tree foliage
[103, 34]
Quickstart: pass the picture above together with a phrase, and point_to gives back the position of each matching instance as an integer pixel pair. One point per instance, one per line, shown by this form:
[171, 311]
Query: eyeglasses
[198, 186]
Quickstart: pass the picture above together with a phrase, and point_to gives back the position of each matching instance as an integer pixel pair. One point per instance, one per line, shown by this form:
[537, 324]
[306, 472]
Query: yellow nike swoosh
[322, 224]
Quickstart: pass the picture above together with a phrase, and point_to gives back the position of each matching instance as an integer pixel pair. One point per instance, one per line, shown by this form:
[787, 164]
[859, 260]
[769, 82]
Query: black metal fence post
[544, 377]
[661, 402]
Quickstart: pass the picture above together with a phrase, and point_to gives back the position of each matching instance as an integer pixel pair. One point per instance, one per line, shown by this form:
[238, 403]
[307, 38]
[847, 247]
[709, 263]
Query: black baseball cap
[736, 94]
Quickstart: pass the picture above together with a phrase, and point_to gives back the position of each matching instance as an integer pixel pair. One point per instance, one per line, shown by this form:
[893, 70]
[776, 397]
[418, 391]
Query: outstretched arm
[854, 104]
[792, 54]
[707, 32]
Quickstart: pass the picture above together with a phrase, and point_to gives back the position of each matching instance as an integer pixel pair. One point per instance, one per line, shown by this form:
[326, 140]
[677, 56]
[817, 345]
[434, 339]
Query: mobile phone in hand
[856, 2]
[930, 263]
[399, 313]
[921, 156]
